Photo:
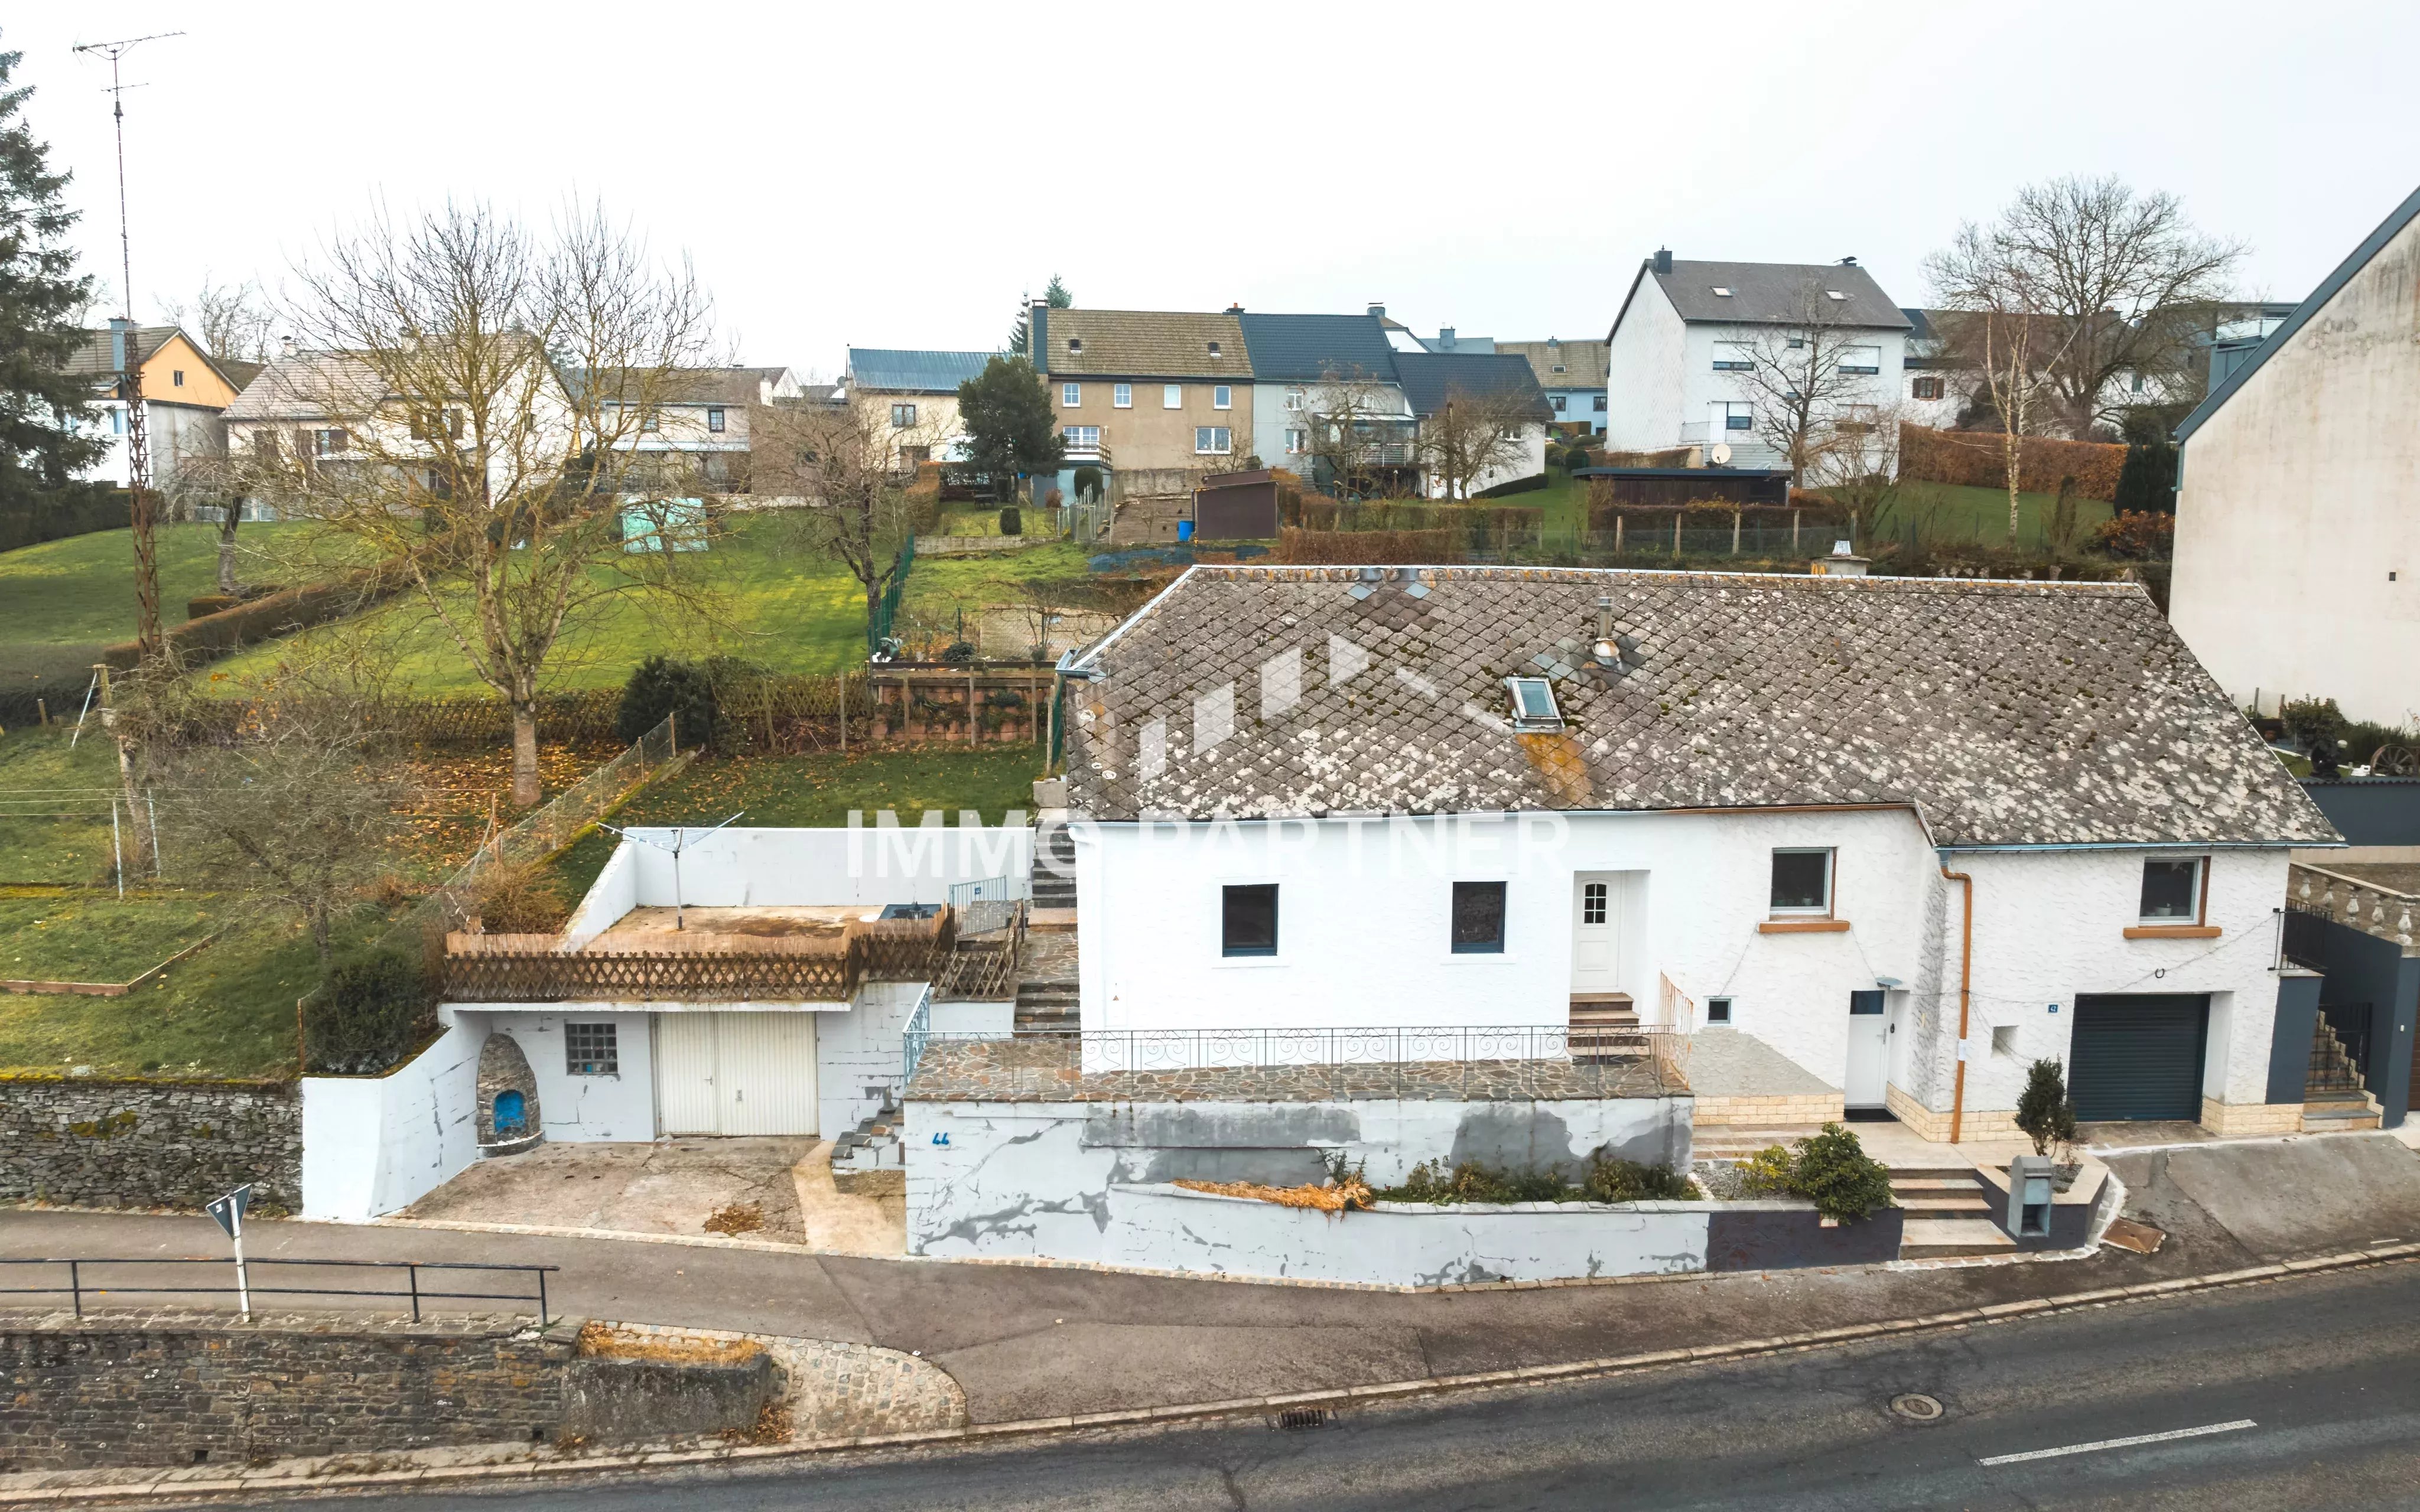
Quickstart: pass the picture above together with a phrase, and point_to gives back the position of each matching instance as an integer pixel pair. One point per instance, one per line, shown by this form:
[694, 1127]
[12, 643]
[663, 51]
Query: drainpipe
[1965, 997]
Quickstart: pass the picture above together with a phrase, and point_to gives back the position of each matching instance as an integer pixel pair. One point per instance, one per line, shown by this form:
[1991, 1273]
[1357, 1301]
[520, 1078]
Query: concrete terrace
[1047, 1069]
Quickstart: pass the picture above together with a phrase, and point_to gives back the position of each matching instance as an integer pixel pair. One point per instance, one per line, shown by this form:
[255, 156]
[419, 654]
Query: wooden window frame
[2200, 929]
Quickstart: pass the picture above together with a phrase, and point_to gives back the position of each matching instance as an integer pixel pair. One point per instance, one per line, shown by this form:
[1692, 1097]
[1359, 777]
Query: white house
[2297, 539]
[1433, 380]
[1846, 818]
[1688, 337]
[1308, 367]
[698, 430]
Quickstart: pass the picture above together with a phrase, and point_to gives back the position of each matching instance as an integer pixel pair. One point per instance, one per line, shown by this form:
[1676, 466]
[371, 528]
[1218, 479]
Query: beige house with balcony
[1146, 392]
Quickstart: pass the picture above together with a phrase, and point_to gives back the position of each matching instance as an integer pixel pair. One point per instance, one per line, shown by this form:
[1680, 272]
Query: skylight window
[1834, 294]
[1533, 704]
[1722, 292]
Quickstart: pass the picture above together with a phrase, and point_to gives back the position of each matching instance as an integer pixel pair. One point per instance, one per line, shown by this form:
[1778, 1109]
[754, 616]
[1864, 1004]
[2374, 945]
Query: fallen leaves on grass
[738, 1218]
[1325, 1196]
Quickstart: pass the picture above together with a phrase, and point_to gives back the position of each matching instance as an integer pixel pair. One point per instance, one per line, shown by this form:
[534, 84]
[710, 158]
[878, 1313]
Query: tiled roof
[1429, 379]
[309, 386]
[890, 370]
[1775, 293]
[1306, 347]
[93, 359]
[2006, 713]
[1583, 362]
[1145, 343]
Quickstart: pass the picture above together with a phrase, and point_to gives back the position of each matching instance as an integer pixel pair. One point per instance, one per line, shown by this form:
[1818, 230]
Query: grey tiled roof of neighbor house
[1306, 347]
[1775, 293]
[1431, 379]
[2004, 713]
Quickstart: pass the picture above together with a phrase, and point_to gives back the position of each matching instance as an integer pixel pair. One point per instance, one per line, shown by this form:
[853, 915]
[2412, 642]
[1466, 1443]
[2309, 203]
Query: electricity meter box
[2029, 1196]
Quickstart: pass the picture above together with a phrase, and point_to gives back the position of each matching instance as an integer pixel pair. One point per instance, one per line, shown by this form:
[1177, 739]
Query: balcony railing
[698, 967]
[1537, 1063]
[2351, 900]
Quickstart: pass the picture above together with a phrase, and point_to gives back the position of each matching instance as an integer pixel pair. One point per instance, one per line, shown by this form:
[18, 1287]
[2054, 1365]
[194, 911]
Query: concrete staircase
[1948, 1214]
[871, 1158]
[2334, 1098]
[1047, 994]
[1053, 880]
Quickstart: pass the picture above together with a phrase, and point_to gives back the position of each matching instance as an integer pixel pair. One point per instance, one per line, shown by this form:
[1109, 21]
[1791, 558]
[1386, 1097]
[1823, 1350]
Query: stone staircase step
[1933, 1239]
[1973, 1207]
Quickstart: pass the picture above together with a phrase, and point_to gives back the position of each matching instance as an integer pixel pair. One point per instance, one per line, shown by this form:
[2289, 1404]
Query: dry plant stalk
[1322, 1196]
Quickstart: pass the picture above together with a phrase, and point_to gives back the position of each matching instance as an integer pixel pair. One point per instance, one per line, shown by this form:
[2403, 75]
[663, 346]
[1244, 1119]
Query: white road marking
[2236, 1426]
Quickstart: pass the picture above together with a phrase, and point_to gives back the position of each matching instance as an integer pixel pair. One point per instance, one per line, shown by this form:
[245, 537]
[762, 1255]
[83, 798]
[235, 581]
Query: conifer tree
[41, 299]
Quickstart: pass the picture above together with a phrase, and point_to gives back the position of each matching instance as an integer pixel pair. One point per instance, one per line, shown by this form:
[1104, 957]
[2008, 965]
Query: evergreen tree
[1010, 429]
[41, 297]
[1020, 335]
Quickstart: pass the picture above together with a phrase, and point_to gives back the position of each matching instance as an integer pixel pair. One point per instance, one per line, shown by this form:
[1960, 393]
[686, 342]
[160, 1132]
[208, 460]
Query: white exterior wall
[1364, 912]
[372, 1145]
[580, 1109]
[1644, 384]
[1528, 464]
[1035, 1177]
[2297, 502]
[862, 1049]
[173, 431]
[873, 864]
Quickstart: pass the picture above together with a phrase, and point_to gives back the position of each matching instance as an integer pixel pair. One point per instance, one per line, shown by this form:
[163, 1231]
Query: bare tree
[844, 461]
[2121, 275]
[487, 389]
[1998, 331]
[1797, 375]
[228, 320]
[1471, 435]
[1354, 433]
[1857, 468]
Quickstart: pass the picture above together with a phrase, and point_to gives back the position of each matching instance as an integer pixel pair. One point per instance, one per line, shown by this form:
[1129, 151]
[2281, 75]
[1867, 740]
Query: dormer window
[1075, 344]
[1721, 292]
[1533, 704]
[1214, 349]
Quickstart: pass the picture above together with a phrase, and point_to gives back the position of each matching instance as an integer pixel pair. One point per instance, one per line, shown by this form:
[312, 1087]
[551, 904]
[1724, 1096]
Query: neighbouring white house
[2298, 502]
[914, 397]
[742, 982]
[1309, 370]
[1571, 373]
[697, 433]
[185, 393]
[1433, 382]
[1689, 337]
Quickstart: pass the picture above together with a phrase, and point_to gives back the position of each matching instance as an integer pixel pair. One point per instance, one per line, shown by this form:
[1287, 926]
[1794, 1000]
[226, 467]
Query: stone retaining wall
[183, 1389]
[110, 1142]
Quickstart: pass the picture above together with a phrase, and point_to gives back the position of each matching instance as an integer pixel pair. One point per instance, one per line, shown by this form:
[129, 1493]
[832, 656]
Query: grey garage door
[2138, 1057]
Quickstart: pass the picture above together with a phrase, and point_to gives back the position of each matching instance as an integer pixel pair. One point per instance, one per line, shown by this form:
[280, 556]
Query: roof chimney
[1663, 259]
[1234, 309]
[1377, 311]
[1445, 337]
[286, 348]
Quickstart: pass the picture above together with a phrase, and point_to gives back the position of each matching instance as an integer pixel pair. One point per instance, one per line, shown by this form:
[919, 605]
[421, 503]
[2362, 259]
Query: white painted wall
[1033, 1179]
[862, 1049]
[580, 1109]
[1528, 463]
[1643, 389]
[1172, 1227]
[372, 1145]
[874, 864]
[1365, 909]
[614, 893]
[2298, 544]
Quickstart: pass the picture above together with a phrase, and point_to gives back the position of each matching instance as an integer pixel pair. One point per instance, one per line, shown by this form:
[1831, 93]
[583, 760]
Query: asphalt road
[2325, 1370]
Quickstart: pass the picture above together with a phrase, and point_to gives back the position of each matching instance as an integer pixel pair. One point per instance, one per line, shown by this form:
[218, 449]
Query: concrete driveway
[778, 1189]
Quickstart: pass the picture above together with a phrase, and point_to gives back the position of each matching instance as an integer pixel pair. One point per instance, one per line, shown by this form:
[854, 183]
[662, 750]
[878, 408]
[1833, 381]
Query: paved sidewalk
[1028, 1341]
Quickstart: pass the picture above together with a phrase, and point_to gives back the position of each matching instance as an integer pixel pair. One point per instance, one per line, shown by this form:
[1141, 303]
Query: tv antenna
[129, 360]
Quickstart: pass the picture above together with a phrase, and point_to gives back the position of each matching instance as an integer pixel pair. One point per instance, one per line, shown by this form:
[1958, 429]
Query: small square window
[1223, 398]
[1559, 402]
[1721, 293]
[1247, 920]
[1293, 399]
[714, 421]
[1479, 918]
[1075, 344]
[1533, 704]
[1718, 1010]
[2172, 892]
[1599, 405]
[1592, 901]
[1171, 397]
[1802, 882]
[2004, 1039]
[591, 1050]
[1122, 396]
[1296, 440]
[1072, 395]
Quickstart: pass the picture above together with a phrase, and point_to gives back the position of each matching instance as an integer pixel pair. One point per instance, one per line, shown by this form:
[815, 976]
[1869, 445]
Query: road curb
[173, 1483]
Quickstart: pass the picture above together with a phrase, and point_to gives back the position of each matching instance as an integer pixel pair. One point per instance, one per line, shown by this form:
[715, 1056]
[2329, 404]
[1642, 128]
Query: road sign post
[228, 1212]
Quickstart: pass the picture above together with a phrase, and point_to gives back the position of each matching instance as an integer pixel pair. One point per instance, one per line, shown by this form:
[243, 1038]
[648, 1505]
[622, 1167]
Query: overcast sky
[896, 175]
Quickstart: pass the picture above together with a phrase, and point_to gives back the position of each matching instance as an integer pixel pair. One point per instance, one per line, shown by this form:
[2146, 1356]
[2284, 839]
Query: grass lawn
[81, 589]
[78, 937]
[227, 1010]
[54, 808]
[806, 792]
[1980, 516]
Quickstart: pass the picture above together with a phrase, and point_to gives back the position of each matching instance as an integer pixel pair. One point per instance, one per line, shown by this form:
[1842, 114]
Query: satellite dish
[1720, 454]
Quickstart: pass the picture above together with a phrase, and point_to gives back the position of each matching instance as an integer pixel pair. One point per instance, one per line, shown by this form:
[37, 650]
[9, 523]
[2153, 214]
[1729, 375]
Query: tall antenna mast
[124, 347]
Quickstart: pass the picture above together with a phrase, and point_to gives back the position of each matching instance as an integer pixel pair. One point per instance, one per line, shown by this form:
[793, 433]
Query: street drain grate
[1918, 1408]
[1305, 1417]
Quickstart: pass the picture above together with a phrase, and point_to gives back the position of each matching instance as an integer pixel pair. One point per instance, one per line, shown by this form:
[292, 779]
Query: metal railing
[989, 905]
[81, 1284]
[918, 1034]
[1534, 1061]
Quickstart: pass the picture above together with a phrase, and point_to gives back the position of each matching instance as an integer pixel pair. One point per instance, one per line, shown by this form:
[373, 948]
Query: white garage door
[736, 1074]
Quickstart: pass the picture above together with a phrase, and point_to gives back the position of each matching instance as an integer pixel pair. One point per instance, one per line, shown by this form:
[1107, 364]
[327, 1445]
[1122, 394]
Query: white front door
[736, 1074]
[1868, 1051]
[1597, 916]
